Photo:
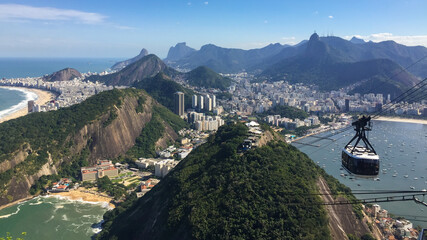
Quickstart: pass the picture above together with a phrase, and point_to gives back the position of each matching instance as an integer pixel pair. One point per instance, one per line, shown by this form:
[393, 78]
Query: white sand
[43, 97]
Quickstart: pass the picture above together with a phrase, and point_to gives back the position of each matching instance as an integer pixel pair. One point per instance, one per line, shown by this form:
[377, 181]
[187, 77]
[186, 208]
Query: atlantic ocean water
[47, 217]
[37, 67]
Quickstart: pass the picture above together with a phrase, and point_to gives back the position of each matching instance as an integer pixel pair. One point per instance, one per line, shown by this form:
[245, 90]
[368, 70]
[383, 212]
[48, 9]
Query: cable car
[361, 160]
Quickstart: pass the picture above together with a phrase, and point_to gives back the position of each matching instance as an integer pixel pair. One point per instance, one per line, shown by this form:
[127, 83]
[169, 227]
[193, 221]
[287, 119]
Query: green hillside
[286, 111]
[206, 77]
[162, 88]
[217, 193]
[56, 135]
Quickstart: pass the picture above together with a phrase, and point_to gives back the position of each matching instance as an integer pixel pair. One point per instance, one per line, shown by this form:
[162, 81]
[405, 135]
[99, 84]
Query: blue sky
[93, 28]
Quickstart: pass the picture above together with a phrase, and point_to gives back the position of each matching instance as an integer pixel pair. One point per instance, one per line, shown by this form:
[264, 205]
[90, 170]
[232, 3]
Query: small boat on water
[412, 187]
[406, 176]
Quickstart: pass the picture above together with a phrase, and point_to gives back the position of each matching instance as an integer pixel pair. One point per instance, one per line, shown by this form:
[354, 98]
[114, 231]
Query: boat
[412, 187]
[406, 176]
[361, 160]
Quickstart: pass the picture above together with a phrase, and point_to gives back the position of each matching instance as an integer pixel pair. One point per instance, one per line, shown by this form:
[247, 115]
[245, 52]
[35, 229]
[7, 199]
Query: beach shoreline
[43, 97]
[85, 195]
[402, 120]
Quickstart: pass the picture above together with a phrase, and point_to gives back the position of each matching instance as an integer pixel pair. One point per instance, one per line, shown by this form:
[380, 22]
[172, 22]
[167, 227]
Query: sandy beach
[404, 120]
[43, 97]
[84, 195]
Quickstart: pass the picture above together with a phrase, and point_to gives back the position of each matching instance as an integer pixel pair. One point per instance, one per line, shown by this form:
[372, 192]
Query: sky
[120, 29]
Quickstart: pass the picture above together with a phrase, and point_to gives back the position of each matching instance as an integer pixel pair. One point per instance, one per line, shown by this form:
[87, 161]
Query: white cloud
[206, 3]
[265, 21]
[330, 17]
[289, 40]
[24, 12]
[415, 40]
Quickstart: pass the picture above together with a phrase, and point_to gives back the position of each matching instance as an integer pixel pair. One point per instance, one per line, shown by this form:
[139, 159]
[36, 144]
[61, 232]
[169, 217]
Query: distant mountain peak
[120, 65]
[356, 40]
[180, 51]
[314, 37]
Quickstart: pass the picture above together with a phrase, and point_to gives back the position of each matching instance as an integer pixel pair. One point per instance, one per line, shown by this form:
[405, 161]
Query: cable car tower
[361, 160]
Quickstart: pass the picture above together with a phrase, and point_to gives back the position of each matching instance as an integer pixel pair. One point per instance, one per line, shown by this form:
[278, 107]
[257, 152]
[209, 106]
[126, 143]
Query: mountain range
[230, 60]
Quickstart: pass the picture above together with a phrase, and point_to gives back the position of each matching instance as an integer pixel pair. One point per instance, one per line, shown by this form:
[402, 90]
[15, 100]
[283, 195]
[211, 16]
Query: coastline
[84, 195]
[43, 97]
[403, 120]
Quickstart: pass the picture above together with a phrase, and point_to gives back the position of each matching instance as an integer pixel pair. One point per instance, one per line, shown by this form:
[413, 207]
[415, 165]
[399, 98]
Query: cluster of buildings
[161, 166]
[203, 103]
[249, 98]
[254, 135]
[202, 122]
[101, 169]
[391, 228]
[69, 92]
[291, 124]
[63, 185]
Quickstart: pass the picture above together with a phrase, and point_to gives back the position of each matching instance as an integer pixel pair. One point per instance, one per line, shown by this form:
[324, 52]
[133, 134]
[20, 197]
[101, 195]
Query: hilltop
[207, 78]
[180, 50]
[162, 88]
[106, 125]
[120, 65]
[148, 66]
[65, 74]
[218, 193]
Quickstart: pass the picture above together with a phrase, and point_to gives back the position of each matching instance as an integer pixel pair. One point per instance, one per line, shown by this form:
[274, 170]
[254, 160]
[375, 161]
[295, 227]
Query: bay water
[402, 148]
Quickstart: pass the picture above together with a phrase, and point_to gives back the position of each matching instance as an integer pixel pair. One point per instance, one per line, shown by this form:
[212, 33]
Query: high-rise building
[213, 101]
[200, 102]
[194, 102]
[30, 106]
[179, 103]
[347, 105]
[208, 103]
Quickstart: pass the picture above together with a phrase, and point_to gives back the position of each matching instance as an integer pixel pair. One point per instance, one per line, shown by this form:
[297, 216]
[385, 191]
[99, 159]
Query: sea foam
[23, 104]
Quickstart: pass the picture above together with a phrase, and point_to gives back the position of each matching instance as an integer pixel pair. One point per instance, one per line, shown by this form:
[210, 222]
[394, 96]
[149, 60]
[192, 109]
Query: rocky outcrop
[120, 65]
[105, 138]
[66, 74]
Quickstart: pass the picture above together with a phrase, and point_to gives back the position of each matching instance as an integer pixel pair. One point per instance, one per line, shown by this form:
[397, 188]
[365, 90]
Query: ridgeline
[219, 193]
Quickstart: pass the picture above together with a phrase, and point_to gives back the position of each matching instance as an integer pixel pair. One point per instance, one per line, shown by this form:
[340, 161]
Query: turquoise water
[36, 67]
[52, 218]
[403, 151]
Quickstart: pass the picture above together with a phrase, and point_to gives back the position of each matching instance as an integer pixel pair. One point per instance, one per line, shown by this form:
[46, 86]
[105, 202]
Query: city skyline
[110, 29]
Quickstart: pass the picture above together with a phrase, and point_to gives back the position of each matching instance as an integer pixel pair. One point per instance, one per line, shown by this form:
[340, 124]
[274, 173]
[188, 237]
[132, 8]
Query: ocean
[52, 218]
[37, 67]
[402, 148]
[12, 100]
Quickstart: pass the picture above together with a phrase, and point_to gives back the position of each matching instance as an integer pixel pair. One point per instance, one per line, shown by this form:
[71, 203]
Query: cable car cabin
[361, 160]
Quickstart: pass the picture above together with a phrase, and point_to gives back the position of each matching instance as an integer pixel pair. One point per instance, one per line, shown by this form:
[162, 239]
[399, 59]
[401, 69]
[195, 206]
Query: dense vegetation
[207, 78]
[162, 88]
[44, 134]
[286, 111]
[217, 193]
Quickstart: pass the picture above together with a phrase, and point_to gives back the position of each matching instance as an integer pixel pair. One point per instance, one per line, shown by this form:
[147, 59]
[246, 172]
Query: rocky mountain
[217, 192]
[206, 77]
[65, 74]
[331, 67]
[148, 66]
[120, 65]
[227, 60]
[106, 125]
[180, 50]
